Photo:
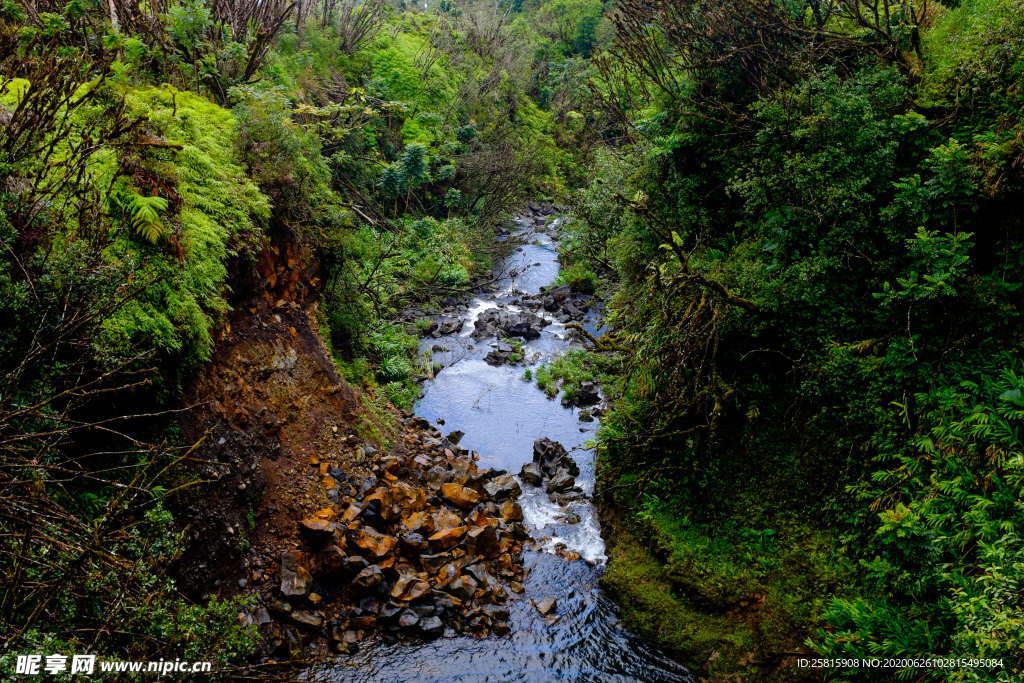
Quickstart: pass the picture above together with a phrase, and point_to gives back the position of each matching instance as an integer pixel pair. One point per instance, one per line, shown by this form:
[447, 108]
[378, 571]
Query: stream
[502, 414]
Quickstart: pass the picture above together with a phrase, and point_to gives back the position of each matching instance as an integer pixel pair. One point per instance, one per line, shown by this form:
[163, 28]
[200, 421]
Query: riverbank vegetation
[161, 164]
[806, 223]
[803, 216]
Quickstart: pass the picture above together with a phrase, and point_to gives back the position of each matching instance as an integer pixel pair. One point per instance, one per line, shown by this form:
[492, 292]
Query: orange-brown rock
[295, 577]
[462, 587]
[511, 511]
[419, 521]
[447, 538]
[480, 519]
[445, 518]
[375, 544]
[411, 499]
[369, 577]
[506, 565]
[331, 559]
[317, 529]
[483, 540]
[461, 496]
[409, 587]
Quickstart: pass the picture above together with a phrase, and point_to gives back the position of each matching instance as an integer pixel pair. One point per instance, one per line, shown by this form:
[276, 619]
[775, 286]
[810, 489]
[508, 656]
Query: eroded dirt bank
[338, 537]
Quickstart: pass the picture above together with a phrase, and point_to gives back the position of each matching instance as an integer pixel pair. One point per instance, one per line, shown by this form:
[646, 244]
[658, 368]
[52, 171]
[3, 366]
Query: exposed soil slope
[337, 538]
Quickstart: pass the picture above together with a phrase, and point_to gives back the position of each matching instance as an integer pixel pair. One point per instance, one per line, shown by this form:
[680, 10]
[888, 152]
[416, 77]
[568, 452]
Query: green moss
[568, 371]
[650, 606]
[700, 589]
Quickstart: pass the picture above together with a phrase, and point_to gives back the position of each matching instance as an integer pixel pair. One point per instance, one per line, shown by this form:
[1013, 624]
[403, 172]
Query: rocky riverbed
[558, 623]
[427, 543]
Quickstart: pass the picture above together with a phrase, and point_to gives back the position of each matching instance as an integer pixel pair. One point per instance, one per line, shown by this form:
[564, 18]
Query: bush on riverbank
[816, 273]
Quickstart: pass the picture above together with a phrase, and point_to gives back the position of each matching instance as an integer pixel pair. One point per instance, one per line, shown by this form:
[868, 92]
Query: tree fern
[145, 217]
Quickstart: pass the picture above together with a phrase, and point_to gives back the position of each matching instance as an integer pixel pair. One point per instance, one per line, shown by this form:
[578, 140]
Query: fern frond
[145, 213]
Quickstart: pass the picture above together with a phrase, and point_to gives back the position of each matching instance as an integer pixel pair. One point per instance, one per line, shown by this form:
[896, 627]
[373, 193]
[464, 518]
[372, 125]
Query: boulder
[501, 354]
[368, 605]
[564, 498]
[425, 543]
[495, 321]
[409, 587]
[448, 538]
[316, 529]
[295, 576]
[418, 521]
[586, 394]
[374, 544]
[484, 578]
[560, 482]
[432, 563]
[331, 559]
[460, 496]
[353, 564]
[531, 474]
[552, 456]
[511, 511]
[546, 606]
[502, 487]
[369, 578]
[431, 627]
[371, 514]
[448, 325]
[483, 540]
[462, 587]
[413, 543]
[307, 618]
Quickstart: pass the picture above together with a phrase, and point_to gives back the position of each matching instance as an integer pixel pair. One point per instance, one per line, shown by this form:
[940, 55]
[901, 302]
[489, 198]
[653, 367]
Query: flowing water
[501, 415]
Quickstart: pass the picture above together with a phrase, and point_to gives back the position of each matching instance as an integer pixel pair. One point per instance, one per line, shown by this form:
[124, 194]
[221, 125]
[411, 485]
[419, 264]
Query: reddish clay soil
[338, 539]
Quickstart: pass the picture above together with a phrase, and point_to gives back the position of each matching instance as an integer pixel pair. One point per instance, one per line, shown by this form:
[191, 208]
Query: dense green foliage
[815, 259]
[803, 214]
[152, 157]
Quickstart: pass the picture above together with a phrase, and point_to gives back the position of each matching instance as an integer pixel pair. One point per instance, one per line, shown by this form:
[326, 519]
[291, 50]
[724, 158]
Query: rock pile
[504, 353]
[440, 326]
[429, 542]
[566, 303]
[540, 214]
[555, 470]
[505, 323]
[586, 393]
